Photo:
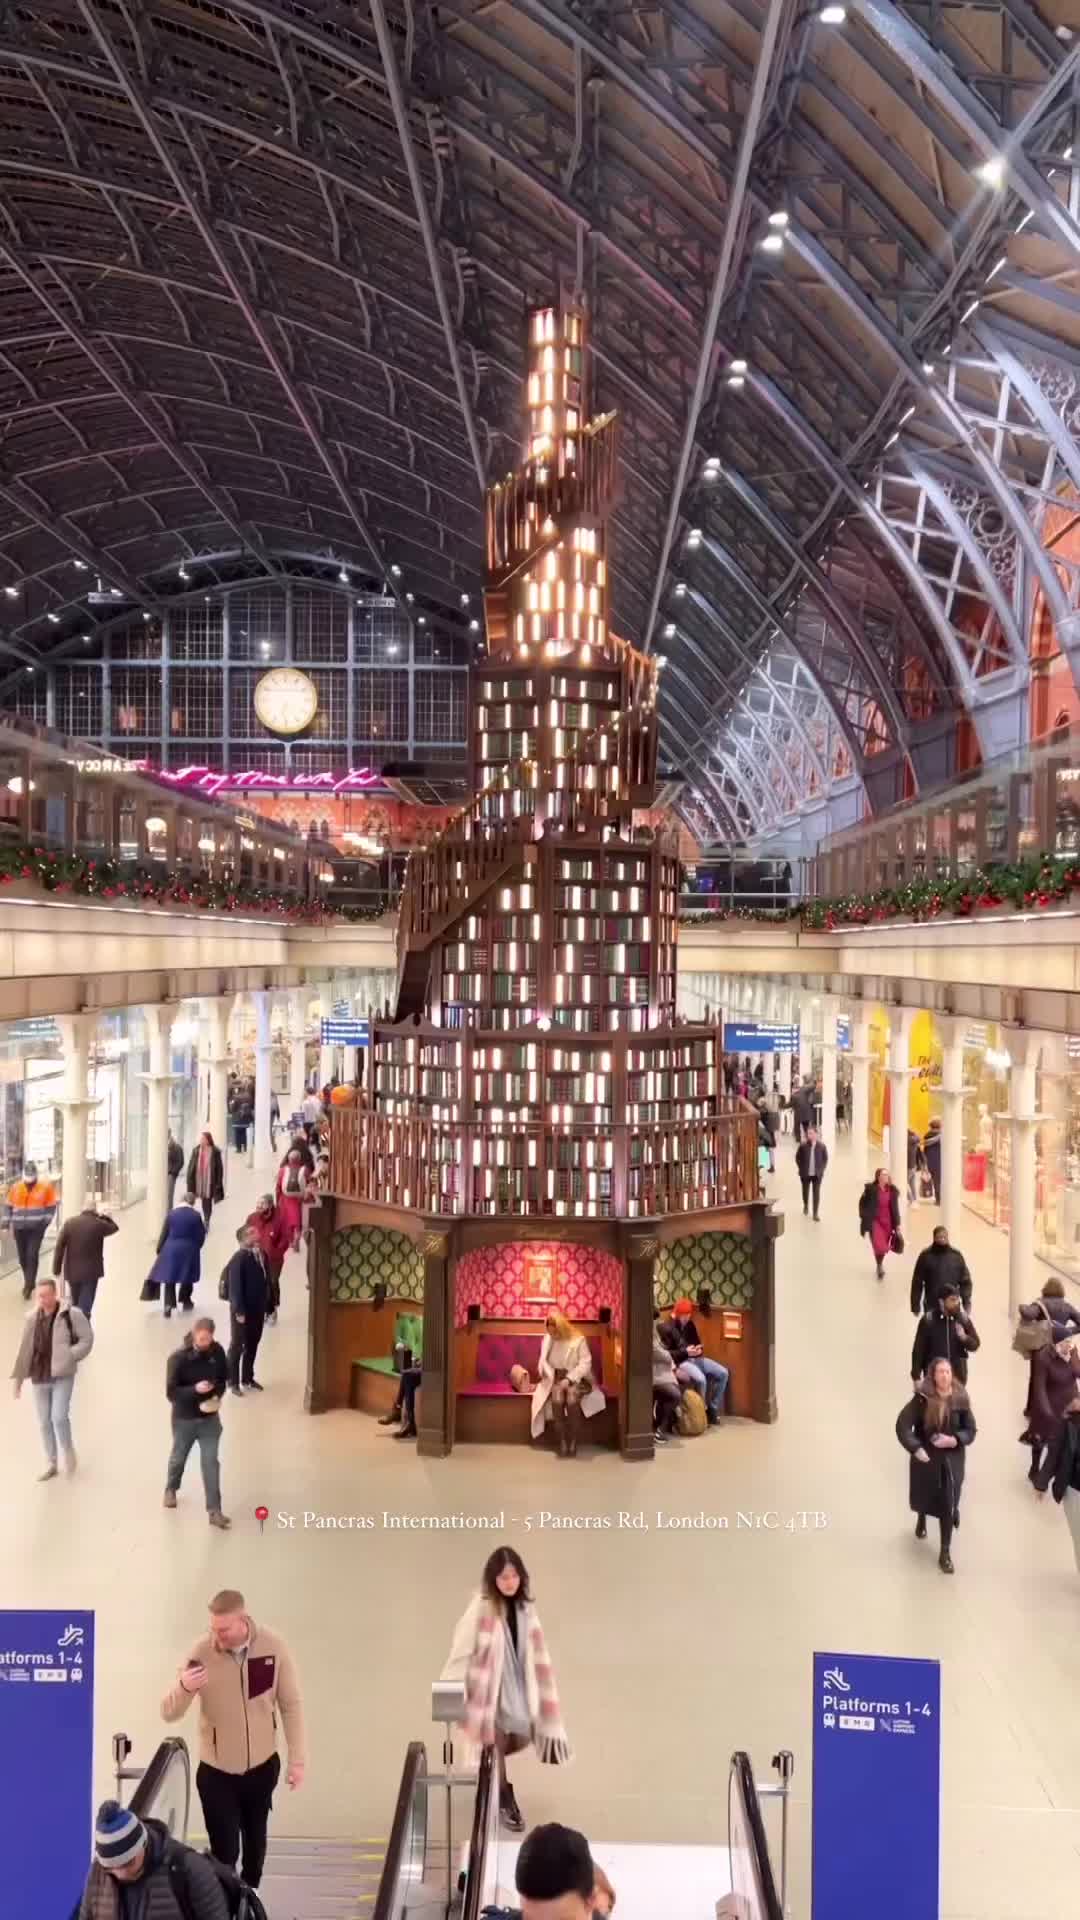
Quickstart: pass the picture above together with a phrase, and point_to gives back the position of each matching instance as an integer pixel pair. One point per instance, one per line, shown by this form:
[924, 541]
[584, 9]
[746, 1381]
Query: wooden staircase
[442, 885]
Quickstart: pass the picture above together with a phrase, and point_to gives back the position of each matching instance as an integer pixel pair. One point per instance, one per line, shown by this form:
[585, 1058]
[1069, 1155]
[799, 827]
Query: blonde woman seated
[565, 1381]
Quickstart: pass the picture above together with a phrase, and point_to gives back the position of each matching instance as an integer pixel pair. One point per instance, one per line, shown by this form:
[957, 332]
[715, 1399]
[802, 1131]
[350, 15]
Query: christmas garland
[120, 880]
[1032, 885]
[715, 916]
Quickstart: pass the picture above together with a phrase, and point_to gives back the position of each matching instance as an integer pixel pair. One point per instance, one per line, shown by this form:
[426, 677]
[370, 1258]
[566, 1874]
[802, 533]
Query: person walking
[1060, 1472]
[313, 1110]
[195, 1380]
[811, 1160]
[272, 1237]
[55, 1341]
[79, 1254]
[932, 1158]
[292, 1187]
[1055, 1371]
[914, 1165]
[141, 1872]
[564, 1381]
[804, 1108]
[500, 1654]
[32, 1206]
[936, 1428]
[247, 1283]
[946, 1333]
[174, 1167]
[940, 1269]
[206, 1175]
[178, 1267]
[245, 1680]
[879, 1218]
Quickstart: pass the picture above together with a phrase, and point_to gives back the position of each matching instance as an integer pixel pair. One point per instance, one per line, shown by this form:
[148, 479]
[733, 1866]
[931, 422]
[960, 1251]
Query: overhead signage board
[760, 1036]
[334, 1032]
[876, 1816]
[46, 1760]
[843, 1032]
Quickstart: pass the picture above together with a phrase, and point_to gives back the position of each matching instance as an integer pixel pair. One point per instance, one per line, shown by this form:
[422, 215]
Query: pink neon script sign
[205, 780]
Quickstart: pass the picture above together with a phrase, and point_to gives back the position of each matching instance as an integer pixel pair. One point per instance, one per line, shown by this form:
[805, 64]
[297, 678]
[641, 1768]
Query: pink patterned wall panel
[586, 1279]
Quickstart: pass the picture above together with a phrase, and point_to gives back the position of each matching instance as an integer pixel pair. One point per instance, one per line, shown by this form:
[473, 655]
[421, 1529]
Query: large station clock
[286, 701]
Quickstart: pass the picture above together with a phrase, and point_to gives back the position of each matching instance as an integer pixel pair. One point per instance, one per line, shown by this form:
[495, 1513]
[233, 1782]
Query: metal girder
[22, 497]
[401, 120]
[204, 225]
[738, 697]
[715, 619]
[776, 11]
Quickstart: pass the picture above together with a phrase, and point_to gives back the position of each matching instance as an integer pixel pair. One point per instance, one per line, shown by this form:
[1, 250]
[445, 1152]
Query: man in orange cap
[695, 1369]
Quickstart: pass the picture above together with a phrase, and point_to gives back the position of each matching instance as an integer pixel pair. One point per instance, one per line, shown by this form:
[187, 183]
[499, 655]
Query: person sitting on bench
[404, 1407]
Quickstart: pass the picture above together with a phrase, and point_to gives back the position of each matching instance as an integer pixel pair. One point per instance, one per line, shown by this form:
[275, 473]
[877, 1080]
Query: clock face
[286, 701]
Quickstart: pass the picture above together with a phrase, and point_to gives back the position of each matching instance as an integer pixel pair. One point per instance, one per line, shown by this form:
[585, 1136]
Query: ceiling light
[86, 639]
[772, 243]
[693, 538]
[396, 571]
[264, 646]
[992, 172]
[53, 618]
[391, 646]
[928, 366]
[421, 622]
[736, 380]
[464, 599]
[12, 592]
[410, 597]
[680, 589]
[29, 669]
[81, 564]
[343, 577]
[669, 630]
[474, 626]
[778, 219]
[832, 16]
[890, 442]
[146, 616]
[737, 366]
[906, 415]
[183, 572]
[117, 593]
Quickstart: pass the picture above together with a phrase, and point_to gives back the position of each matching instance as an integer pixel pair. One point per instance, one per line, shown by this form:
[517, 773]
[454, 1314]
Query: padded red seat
[496, 1353]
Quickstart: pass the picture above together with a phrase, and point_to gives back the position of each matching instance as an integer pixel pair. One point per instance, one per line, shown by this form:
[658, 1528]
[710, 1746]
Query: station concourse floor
[671, 1647]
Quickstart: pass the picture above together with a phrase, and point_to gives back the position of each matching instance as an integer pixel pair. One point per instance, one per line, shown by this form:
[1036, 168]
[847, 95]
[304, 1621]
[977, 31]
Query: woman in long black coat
[935, 1429]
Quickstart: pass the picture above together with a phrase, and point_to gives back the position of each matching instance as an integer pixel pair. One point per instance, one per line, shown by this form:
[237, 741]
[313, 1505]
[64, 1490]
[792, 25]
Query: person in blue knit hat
[141, 1873]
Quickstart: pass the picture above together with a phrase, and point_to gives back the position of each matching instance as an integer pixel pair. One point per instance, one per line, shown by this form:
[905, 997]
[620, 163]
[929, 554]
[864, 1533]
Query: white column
[952, 1028]
[263, 1002]
[348, 1064]
[1023, 1049]
[299, 1000]
[828, 1075]
[860, 1083]
[900, 1021]
[784, 1065]
[159, 1025]
[75, 1032]
[216, 1065]
[327, 1055]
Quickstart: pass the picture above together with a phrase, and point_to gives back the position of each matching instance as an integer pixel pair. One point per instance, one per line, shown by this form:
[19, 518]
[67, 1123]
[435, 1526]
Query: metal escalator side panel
[752, 1883]
[164, 1792]
[406, 1853]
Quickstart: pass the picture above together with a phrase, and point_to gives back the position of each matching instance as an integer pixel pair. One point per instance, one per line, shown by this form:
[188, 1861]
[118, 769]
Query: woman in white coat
[500, 1655]
[565, 1381]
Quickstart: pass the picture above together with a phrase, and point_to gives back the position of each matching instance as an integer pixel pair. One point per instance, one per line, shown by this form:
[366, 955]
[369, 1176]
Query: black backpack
[242, 1901]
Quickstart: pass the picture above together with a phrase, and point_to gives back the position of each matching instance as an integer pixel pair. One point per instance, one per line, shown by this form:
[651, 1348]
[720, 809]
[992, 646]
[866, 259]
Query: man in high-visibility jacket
[32, 1204]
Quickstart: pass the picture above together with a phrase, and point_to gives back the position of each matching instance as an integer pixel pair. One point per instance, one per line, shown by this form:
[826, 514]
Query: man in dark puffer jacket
[136, 1868]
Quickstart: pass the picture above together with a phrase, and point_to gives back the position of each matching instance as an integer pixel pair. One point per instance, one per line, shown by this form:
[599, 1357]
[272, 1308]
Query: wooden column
[436, 1421]
[636, 1400]
[316, 1392]
[765, 1227]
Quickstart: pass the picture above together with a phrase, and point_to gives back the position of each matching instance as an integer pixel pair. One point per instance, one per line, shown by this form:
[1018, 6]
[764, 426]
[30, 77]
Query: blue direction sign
[344, 1032]
[46, 1760]
[877, 1787]
[843, 1031]
[760, 1036]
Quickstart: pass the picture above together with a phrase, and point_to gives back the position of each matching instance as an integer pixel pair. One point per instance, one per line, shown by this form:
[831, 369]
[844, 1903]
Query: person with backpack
[140, 1872]
[947, 1333]
[693, 1368]
[1043, 1323]
[55, 1342]
[245, 1681]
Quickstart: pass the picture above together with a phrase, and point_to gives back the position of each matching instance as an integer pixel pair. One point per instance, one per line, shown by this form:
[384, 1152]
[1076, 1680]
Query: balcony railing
[453, 1168]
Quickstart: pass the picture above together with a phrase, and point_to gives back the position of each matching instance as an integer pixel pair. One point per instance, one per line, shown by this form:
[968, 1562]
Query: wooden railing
[432, 1167]
[549, 489]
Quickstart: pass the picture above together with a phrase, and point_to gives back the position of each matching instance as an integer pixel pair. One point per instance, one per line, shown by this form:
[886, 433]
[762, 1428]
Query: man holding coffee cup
[195, 1381]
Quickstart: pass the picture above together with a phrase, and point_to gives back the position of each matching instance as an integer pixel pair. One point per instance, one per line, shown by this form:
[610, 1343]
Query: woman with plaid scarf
[500, 1654]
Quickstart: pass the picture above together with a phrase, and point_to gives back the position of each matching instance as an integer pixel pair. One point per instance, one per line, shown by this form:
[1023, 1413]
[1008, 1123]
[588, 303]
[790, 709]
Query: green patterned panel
[363, 1257]
[722, 1261]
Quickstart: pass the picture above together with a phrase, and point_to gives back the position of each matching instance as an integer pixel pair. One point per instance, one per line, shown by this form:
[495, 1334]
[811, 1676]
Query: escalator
[753, 1893]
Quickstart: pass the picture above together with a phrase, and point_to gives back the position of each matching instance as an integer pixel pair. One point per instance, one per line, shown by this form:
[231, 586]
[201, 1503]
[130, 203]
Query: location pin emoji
[262, 1515]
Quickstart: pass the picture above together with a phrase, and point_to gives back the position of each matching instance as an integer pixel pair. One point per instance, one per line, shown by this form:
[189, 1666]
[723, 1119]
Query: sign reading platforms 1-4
[46, 1760]
[877, 1787]
[760, 1036]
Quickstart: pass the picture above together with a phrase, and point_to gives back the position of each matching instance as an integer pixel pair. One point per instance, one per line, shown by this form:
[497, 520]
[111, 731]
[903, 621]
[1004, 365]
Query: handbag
[223, 1284]
[150, 1289]
[896, 1241]
[512, 1712]
[1032, 1336]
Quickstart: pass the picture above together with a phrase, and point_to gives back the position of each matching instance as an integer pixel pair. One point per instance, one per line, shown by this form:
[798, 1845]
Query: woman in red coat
[273, 1239]
[879, 1217]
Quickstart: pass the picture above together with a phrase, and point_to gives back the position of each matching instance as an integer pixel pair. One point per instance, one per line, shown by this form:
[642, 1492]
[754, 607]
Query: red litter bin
[974, 1172]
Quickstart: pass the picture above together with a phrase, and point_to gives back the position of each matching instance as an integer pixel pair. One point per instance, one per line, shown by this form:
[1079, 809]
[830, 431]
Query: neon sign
[255, 780]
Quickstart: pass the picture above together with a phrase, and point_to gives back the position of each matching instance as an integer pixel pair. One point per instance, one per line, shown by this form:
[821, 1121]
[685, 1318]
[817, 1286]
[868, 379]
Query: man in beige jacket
[245, 1681]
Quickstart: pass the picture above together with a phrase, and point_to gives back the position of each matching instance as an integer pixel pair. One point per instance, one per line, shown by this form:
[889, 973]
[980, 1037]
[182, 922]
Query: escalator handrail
[741, 1777]
[413, 1771]
[478, 1838]
[146, 1792]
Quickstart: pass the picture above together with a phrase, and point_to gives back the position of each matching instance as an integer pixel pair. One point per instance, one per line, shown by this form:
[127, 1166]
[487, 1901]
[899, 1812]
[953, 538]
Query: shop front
[986, 1137]
[878, 1043]
[1057, 1153]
